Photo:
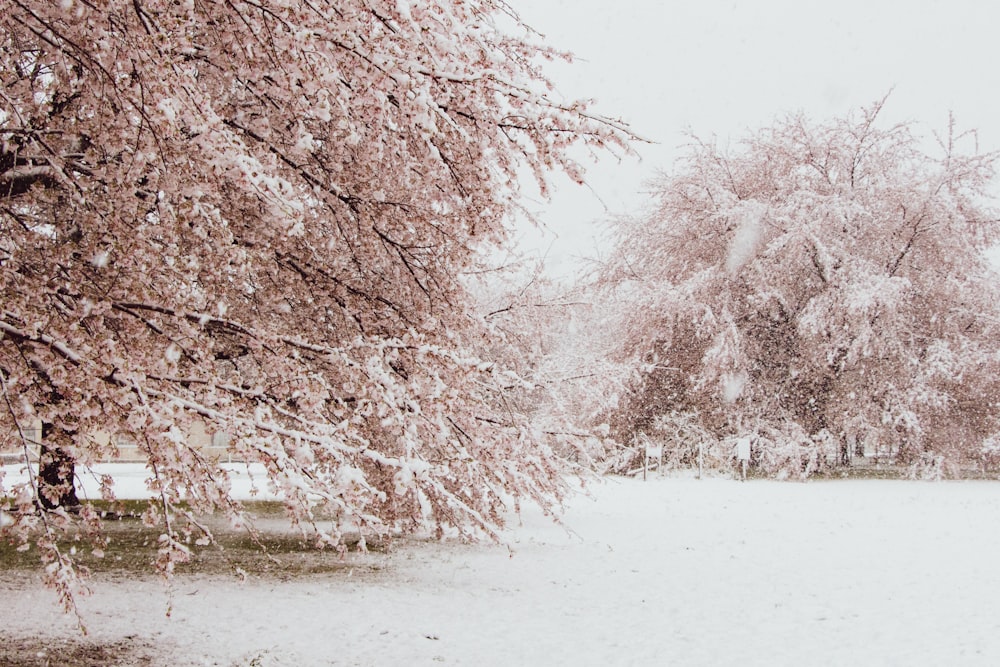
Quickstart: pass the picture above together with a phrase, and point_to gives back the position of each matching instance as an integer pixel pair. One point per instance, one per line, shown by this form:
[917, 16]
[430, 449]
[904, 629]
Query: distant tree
[554, 336]
[823, 287]
[257, 215]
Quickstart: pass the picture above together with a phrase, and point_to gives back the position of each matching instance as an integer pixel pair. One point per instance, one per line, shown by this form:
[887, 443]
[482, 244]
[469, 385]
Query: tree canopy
[258, 215]
[822, 286]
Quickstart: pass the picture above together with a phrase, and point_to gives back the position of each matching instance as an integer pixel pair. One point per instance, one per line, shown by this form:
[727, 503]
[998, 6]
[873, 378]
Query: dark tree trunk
[56, 474]
[845, 453]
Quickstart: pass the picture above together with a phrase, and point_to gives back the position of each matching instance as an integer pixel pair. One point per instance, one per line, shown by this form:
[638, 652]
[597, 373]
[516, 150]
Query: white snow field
[673, 571]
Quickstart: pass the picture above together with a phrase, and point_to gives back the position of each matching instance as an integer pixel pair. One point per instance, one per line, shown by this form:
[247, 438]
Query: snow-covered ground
[666, 572]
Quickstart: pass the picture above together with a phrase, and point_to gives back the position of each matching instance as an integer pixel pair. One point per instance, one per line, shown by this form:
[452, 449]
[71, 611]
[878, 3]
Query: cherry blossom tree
[822, 287]
[258, 215]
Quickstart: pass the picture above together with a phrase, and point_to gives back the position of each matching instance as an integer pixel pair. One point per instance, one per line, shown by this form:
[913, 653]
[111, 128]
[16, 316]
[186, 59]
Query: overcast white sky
[724, 67]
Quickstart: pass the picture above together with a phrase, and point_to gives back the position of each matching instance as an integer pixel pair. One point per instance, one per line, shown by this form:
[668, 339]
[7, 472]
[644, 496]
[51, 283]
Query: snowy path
[669, 572]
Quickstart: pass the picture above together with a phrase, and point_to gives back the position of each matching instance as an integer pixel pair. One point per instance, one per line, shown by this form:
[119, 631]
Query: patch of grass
[132, 547]
[896, 471]
[862, 472]
[48, 652]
